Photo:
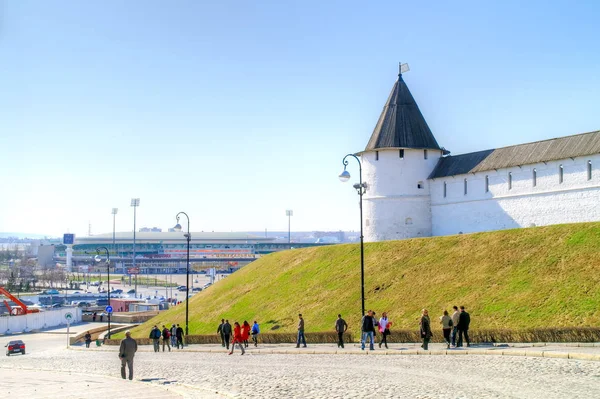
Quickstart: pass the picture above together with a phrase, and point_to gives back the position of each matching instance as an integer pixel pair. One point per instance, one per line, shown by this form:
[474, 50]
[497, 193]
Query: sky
[234, 111]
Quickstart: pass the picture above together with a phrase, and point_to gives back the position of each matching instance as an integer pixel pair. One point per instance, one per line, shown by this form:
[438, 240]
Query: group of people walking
[239, 334]
[454, 328]
[369, 328]
[170, 337]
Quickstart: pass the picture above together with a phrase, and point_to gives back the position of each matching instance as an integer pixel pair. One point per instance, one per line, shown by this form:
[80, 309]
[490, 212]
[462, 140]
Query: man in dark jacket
[179, 334]
[368, 330]
[126, 353]
[226, 331]
[463, 327]
[220, 331]
[341, 327]
[155, 337]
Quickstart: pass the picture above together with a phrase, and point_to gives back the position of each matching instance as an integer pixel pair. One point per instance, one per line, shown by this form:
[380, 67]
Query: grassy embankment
[512, 279]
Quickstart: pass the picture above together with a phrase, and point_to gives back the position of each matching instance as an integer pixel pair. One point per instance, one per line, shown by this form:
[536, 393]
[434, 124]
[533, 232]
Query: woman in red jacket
[246, 332]
[237, 338]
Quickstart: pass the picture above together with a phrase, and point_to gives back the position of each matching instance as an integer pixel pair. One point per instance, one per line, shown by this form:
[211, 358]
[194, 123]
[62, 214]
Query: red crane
[18, 310]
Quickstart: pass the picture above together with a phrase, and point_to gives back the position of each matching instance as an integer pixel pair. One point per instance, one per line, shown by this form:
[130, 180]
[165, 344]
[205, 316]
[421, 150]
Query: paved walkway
[578, 351]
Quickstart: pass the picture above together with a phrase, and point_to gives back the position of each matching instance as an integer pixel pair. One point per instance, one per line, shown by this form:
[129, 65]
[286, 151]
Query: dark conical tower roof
[401, 124]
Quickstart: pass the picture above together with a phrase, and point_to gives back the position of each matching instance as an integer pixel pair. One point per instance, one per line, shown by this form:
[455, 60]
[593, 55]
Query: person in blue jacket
[255, 332]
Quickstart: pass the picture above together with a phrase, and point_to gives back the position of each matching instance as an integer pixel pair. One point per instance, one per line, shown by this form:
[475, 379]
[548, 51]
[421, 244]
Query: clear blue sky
[234, 111]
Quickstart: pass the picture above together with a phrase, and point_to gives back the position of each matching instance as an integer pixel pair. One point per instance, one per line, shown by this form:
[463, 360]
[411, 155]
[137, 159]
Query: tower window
[377, 155]
[401, 153]
[534, 176]
[465, 183]
[420, 185]
[487, 184]
[444, 189]
[408, 221]
[589, 170]
[561, 173]
[424, 154]
[510, 180]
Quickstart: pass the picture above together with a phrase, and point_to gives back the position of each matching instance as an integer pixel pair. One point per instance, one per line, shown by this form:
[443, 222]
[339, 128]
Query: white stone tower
[397, 161]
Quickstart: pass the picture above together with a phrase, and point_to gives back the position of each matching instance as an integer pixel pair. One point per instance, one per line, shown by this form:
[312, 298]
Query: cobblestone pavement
[262, 375]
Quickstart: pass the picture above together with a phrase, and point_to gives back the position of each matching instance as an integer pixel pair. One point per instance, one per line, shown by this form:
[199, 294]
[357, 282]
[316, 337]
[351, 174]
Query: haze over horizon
[234, 112]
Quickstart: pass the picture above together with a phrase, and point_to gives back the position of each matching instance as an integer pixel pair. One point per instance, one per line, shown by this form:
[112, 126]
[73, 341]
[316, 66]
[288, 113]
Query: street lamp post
[135, 202]
[188, 237]
[289, 213]
[360, 188]
[98, 259]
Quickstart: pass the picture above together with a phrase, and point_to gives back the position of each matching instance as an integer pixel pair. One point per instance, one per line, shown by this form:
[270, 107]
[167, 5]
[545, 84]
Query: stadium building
[165, 252]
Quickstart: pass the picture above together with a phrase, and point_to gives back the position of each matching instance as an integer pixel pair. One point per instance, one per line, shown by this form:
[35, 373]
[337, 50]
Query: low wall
[38, 321]
[567, 334]
[125, 317]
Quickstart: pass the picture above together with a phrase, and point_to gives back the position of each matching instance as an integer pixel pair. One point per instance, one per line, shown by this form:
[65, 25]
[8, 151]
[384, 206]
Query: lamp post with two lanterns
[360, 188]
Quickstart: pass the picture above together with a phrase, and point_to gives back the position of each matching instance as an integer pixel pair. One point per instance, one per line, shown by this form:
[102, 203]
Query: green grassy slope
[536, 277]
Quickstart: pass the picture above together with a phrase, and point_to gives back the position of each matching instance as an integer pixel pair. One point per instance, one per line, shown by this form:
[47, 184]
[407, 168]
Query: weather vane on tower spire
[402, 68]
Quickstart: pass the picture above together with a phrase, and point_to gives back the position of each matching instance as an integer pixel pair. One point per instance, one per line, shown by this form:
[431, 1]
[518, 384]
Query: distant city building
[416, 189]
[151, 230]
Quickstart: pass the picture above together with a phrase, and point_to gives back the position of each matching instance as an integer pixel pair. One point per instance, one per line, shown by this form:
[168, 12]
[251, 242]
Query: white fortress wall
[548, 202]
[395, 207]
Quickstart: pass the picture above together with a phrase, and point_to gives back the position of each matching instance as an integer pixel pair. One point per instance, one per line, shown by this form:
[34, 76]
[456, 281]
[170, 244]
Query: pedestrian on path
[237, 338]
[384, 329]
[341, 327]
[220, 332]
[455, 316]
[367, 330]
[126, 353]
[179, 335]
[464, 320]
[94, 317]
[446, 322]
[255, 332]
[425, 327]
[246, 332]
[173, 336]
[155, 337]
[227, 333]
[301, 337]
[166, 336]
[88, 339]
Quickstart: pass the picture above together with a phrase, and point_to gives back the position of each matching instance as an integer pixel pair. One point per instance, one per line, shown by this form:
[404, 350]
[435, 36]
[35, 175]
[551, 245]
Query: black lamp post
[188, 236]
[360, 188]
[98, 259]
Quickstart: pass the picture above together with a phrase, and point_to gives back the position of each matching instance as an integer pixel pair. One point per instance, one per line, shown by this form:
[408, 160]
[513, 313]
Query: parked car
[181, 288]
[131, 291]
[118, 291]
[196, 289]
[13, 347]
[50, 292]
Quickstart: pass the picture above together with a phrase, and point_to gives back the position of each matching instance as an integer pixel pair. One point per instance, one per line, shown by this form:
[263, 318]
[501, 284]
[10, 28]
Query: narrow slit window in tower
[465, 183]
[444, 189]
[377, 155]
[424, 154]
[534, 176]
[401, 153]
[589, 170]
[487, 184]
[510, 180]
[560, 174]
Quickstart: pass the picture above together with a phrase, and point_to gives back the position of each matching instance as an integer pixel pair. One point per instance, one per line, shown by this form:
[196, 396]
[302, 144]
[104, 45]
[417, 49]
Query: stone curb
[407, 352]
